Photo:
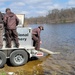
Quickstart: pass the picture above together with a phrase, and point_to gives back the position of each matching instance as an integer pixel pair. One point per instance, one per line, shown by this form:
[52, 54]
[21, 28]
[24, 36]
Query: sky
[35, 8]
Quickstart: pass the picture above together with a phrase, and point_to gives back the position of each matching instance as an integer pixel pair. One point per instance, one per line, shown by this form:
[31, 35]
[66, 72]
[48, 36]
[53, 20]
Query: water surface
[58, 37]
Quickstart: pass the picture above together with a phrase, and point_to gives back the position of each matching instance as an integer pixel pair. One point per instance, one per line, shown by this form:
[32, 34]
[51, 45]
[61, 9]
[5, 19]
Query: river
[61, 38]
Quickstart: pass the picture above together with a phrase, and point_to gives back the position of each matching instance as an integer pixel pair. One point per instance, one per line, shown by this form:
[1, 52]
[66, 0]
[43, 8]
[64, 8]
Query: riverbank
[34, 66]
[48, 65]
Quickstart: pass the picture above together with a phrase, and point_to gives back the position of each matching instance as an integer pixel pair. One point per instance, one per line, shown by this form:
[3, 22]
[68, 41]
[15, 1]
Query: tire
[18, 57]
[2, 59]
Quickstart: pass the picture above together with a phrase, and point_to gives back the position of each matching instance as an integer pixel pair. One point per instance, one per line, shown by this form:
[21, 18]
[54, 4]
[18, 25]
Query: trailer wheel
[18, 57]
[2, 59]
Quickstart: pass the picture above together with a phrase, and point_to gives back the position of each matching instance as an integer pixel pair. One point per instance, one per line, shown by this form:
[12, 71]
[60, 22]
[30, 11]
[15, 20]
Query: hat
[41, 27]
[7, 9]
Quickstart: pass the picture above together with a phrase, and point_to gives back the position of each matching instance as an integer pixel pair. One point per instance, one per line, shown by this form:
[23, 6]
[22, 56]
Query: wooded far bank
[54, 16]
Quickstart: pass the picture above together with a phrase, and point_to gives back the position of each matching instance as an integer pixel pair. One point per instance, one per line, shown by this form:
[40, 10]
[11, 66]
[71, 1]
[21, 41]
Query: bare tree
[54, 16]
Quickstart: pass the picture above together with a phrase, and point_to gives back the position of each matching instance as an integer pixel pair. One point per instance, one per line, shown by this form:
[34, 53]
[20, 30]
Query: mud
[33, 67]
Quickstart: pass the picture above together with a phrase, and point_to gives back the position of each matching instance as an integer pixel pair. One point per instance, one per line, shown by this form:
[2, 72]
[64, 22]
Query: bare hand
[40, 42]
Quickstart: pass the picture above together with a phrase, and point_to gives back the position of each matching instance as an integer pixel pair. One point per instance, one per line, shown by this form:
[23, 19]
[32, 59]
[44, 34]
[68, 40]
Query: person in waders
[36, 37]
[11, 21]
[1, 30]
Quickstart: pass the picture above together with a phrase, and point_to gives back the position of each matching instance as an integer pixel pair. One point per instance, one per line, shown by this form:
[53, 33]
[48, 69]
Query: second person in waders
[36, 37]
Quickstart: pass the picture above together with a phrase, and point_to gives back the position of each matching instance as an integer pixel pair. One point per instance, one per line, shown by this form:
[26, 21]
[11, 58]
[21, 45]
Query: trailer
[18, 56]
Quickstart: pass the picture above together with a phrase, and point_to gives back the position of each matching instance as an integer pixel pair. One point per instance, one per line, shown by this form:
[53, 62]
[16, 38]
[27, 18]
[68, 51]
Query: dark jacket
[1, 18]
[10, 20]
[36, 32]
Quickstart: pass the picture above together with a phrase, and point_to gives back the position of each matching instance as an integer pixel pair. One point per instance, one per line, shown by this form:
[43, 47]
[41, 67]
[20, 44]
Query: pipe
[48, 51]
